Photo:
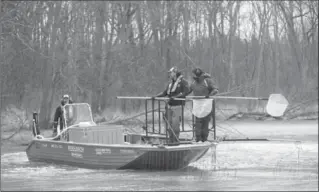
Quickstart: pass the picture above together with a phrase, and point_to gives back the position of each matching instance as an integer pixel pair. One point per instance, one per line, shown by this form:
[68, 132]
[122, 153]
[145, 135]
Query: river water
[274, 165]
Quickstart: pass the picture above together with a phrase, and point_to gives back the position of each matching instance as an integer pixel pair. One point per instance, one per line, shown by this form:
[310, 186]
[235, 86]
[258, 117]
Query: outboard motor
[35, 124]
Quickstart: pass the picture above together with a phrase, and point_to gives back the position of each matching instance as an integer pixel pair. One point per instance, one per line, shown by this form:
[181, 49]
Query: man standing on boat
[58, 115]
[177, 88]
[202, 85]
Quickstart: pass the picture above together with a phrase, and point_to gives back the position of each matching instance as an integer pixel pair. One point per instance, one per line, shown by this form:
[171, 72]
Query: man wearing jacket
[177, 88]
[58, 115]
[202, 86]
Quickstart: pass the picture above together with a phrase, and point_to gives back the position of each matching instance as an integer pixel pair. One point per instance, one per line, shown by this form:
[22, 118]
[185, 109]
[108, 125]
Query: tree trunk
[264, 24]
[140, 28]
[169, 25]
[155, 23]
[101, 49]
[277, 54]
[292, 34]
[75, 54]
[186, 18]
[46, 103]
[105, 50]
[231, 39]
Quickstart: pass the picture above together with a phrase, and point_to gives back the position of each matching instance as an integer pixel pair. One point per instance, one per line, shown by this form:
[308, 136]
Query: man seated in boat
[202, 85]
[177, 88]
[58, 115]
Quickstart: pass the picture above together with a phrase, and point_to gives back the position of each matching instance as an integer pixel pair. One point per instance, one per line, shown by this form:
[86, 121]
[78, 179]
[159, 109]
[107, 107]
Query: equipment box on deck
[133, 138]
[97, 134]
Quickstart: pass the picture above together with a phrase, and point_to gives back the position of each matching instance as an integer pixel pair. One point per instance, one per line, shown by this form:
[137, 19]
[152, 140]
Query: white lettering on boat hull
[77, 155]
[56, 146]
[76, 149]
[100, 151]
[128, 151]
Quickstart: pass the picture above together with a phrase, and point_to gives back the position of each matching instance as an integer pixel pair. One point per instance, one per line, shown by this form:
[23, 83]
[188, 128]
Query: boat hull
[117, 156]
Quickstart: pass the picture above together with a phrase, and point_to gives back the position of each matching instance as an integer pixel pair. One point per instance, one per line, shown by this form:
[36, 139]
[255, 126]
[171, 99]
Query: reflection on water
[239, 166]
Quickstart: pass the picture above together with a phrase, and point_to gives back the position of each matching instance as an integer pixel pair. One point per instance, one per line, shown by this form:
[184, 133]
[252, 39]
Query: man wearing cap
[202, 85]
[177, 88]
[58, 115]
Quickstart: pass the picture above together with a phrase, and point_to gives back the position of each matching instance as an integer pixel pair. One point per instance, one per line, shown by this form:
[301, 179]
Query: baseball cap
[173, 69]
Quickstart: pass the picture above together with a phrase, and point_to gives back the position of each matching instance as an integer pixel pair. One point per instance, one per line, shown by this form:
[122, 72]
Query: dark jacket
[176, 89]
[203, 85]
[58, 115]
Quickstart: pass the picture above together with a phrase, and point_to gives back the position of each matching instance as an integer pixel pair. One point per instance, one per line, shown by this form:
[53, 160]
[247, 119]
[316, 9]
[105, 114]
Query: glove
[215, 92]
[171, 99]
[207, 96]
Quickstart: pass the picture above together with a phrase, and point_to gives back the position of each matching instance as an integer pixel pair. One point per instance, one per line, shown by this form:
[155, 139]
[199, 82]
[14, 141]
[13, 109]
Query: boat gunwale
[135, 146]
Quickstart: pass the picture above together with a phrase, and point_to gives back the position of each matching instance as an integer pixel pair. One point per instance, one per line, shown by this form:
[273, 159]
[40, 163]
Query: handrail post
[193, 122]
[214, 118]
[153, 114]
[183, 117]
[166, 122]
[159, 117]
[146, 129]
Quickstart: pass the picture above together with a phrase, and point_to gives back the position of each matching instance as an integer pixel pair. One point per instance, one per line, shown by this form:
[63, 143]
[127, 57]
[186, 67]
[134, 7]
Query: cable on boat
[53, 138]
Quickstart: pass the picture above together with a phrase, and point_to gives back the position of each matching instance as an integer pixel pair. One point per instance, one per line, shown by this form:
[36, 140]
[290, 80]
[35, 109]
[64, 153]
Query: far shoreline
[20, 141]
[12, 148]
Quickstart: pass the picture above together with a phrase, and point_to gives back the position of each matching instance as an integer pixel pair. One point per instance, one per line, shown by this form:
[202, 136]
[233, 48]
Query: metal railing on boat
[159, 101]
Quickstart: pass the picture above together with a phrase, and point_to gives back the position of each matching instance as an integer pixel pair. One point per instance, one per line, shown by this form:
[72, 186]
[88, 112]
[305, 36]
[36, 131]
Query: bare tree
[95, 51]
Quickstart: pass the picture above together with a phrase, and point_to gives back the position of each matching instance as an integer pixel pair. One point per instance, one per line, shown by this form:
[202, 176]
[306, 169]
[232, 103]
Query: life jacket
[206, 76]
[202, 107]
[172, 87]
[66, 113]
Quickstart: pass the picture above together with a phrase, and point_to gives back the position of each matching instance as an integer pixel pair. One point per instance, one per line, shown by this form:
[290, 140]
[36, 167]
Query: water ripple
[239, 166]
